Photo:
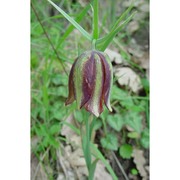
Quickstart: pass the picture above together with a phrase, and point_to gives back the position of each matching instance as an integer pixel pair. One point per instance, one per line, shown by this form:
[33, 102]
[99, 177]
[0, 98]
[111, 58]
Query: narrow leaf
[122, 17]
[112, 34]
[72, 21]
[76, 130]
[92, 169]
[99, 155]
[71, 27]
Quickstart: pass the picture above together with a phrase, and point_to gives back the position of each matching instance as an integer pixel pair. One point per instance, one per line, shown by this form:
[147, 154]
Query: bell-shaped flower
[90, 82]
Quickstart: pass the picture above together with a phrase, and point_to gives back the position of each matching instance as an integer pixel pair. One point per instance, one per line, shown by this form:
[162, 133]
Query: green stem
[86, 142]
[94, 44]
[86, 145]
[104, 125]
[95, 20]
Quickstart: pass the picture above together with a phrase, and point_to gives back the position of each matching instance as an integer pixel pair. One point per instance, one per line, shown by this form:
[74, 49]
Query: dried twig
[120, 166]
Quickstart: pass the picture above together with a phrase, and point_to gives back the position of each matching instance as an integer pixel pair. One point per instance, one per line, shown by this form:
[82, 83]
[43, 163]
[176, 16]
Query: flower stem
[88, 150]
[86, 141]
[94, 44]
[95, 20]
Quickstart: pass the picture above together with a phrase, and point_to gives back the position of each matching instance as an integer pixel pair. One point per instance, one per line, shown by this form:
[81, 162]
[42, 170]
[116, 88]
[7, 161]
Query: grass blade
[107, 40]
[76, 130]
[122, 17]
[99, 155]
[72, 21]
[71, 27]
[92, 169]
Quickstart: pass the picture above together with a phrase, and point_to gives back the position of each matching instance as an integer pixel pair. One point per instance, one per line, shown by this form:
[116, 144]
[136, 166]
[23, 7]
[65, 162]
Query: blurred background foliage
[125, 131]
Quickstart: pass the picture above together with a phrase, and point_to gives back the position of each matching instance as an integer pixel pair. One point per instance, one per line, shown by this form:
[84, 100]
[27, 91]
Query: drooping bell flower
[90, 82]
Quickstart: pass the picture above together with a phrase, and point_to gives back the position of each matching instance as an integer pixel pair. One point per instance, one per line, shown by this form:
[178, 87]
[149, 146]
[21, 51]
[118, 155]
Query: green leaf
[127, 103]
[35, 111]
[55, 128]
[71, 27]
[78, 115]
[104, 42]
[72, 21]
[116, 121]
[41, 130]
[45, 142]
[134, 171]
[53, 141]
[110, 142]
[104, 114]
[76, 130]
[133, 135]
[125, 151]
[118, 94]
[125, 99]
[99, 155]
[122, 17]
[145, 138]
[58, 91]
[92, 169]
[59, 79]
[57, 110]
[97, 124]
[145, 83]
[134, 120]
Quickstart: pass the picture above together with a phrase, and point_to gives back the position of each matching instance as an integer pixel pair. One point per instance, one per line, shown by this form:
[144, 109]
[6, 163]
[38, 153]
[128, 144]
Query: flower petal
[94, 105]
[107, 68]
[78, 77]
[88, 79]
[71, 96]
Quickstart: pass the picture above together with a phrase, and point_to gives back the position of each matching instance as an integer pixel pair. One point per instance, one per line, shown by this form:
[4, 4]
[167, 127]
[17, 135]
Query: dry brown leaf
[69, 133]
[135, 49]
[144, 60]
[77, 158]
[127, 3]
[127, 77]
[140, 161]
[139, 16]
[114, 56]
[132, 27]
[101, 172]
[144, 7]
[37, 170]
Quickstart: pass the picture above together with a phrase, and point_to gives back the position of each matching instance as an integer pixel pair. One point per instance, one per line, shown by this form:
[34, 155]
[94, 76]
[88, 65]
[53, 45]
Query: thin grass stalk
[47, 36]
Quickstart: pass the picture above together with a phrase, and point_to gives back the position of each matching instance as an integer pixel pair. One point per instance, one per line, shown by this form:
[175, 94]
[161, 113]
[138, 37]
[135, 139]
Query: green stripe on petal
[78, 77]
[94, 105]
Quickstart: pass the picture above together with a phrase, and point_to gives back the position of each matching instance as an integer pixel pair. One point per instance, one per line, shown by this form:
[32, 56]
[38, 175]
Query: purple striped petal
[95, 103]
[88, 79]
[108, 80]
[71, 96]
